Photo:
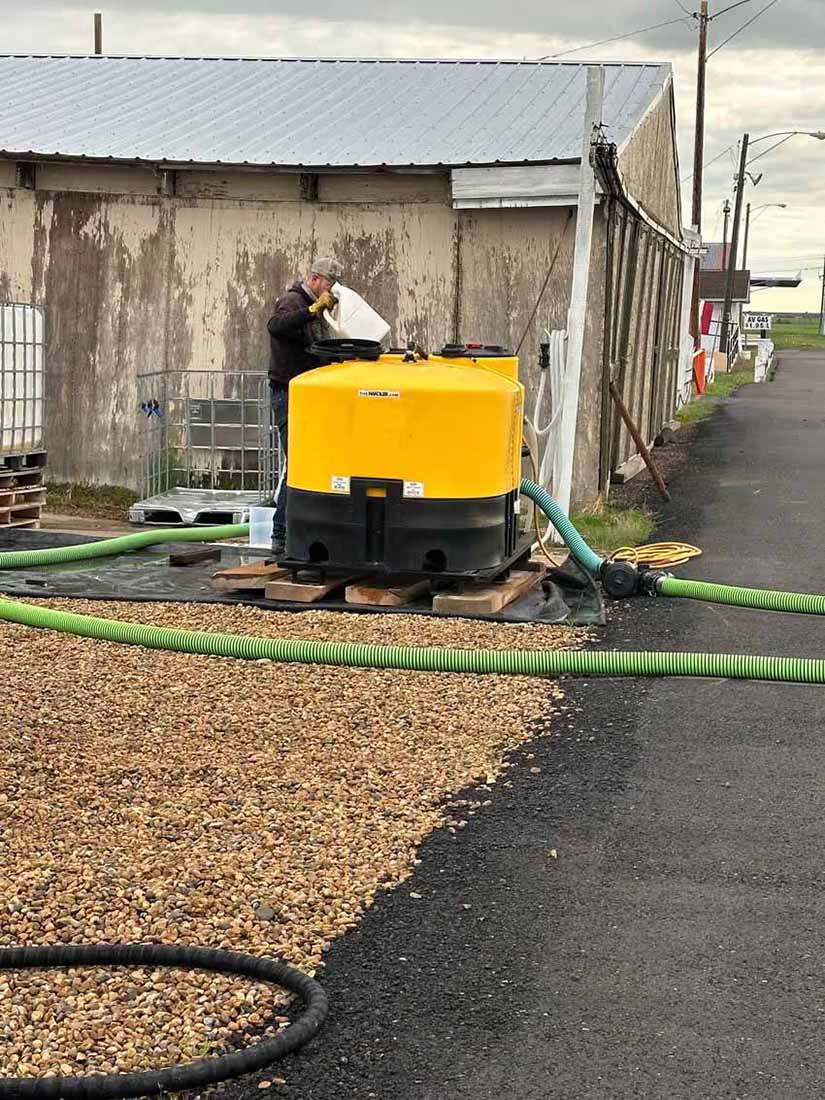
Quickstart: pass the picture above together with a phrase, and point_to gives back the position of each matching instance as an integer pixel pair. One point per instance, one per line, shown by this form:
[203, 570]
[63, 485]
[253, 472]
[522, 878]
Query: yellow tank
[407, 466]
[481, 355]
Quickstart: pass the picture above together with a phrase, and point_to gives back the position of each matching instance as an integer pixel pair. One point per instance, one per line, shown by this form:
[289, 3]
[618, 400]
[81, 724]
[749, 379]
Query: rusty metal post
[640, 443]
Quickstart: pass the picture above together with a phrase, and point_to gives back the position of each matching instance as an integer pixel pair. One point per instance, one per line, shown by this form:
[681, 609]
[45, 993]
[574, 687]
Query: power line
[730, 7]
[617, 38]
[712, 160]
[771, 147]
[744, 26]
[684, 9]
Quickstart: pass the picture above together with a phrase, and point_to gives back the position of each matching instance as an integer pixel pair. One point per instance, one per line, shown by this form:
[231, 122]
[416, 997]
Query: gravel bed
[163, 797]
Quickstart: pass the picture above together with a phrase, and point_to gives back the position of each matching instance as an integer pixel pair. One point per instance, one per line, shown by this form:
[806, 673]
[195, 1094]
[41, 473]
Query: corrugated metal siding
[312, 113]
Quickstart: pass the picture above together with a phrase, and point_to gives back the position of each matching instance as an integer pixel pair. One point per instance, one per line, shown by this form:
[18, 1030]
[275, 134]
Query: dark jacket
[292, 330]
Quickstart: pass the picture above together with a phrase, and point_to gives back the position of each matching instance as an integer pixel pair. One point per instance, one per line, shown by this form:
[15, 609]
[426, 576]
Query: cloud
[788, 23]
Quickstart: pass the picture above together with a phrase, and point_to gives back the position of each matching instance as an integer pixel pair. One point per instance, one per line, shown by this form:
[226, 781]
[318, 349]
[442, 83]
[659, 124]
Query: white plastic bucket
[260, 527]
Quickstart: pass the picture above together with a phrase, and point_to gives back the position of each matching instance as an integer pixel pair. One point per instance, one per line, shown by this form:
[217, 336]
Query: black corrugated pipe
[192, 1075]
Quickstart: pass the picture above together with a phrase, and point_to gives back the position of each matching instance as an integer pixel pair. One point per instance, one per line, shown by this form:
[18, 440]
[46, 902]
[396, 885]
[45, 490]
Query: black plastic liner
[145, 576]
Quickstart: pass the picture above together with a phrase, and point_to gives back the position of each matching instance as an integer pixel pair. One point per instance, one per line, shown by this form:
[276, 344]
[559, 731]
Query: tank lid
[473, 350]
[340, 351]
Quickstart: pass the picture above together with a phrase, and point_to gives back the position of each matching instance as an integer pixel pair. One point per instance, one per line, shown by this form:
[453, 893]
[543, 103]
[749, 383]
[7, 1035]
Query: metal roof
[311, 113]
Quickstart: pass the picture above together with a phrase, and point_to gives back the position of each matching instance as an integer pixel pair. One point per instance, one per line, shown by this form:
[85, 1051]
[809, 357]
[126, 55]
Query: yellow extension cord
[655, 555]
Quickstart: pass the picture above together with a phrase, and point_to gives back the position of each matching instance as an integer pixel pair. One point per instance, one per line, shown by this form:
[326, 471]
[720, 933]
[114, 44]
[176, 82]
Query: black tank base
[375, 529]
[517, 560]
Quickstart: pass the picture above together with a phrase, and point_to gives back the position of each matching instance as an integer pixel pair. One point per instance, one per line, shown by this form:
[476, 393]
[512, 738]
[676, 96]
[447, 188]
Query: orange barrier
[699, 371]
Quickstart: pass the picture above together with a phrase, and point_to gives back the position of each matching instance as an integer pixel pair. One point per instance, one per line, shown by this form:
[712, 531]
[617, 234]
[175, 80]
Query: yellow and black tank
[406, 464]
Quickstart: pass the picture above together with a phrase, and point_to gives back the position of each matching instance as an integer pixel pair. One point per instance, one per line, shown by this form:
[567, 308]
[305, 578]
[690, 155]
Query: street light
[785, 135]
[764, 206]
[818, 134]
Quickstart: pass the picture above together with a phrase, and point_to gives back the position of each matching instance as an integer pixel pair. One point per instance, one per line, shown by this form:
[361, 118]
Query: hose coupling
[650, 581]
[620, 579]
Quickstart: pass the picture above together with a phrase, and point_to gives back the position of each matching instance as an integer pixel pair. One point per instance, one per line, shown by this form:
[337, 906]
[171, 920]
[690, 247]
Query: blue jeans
[280, 419]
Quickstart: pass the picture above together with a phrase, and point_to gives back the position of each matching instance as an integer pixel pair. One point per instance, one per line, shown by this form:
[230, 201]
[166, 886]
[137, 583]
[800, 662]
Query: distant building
[712, 285]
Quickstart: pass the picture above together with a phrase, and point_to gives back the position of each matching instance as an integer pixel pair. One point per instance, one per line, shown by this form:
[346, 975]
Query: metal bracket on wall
[308, 185]
[25, 175]
[167, 182]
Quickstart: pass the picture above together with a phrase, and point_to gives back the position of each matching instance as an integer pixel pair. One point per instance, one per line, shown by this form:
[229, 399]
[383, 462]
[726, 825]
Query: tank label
[379, 393]
[413, 488]
[339, 483]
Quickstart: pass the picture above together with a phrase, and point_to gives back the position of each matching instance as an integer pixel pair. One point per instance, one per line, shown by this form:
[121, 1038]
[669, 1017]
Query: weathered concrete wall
[134, 283]
[505, 258]
[648, 165]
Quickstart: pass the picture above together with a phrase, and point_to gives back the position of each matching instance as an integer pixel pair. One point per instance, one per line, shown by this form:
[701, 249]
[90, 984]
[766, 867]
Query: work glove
[325, 301]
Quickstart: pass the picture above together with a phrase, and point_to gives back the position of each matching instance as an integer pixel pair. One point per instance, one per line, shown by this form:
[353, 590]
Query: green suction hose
[514, 662]
[26, 559]
[586, 557]
[765, 599]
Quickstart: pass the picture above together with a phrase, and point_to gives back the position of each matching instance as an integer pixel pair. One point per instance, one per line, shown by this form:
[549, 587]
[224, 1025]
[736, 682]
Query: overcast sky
[770, 77]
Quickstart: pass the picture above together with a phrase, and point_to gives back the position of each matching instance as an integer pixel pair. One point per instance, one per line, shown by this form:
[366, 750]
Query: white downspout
[577, 314]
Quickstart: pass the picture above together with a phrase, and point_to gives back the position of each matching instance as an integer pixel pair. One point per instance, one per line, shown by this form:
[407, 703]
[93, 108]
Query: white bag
[354, 319]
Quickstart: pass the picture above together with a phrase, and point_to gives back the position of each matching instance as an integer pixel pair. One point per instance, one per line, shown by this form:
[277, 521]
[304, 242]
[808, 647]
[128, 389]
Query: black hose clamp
[650, 580]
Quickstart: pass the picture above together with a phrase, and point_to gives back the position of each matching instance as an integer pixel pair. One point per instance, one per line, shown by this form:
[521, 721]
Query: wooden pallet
[312, 585]
[24, 460]
[30, 524]
[34, 494]
[247, 578]
[489, 598]
[23, 479]
[16, 515]
[307, 588]
[377, 592]
[192, 555]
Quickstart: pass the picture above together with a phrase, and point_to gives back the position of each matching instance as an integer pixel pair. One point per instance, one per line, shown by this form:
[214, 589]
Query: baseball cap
[327, 266]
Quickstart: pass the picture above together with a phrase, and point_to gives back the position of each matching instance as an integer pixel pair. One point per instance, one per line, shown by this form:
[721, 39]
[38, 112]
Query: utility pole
[822, 305]
[734, 241]
[726, 212]
[98, 33]
[698, 158]
[745, 242]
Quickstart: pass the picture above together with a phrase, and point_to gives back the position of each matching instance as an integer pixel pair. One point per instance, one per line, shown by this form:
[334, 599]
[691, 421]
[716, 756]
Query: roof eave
[30, 156]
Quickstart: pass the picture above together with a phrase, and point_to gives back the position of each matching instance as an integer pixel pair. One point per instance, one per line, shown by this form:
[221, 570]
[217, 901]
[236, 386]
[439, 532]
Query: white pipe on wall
[577, 314]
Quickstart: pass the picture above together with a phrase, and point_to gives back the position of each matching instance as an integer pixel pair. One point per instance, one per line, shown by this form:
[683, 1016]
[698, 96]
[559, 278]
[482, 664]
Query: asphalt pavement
[640, 911]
